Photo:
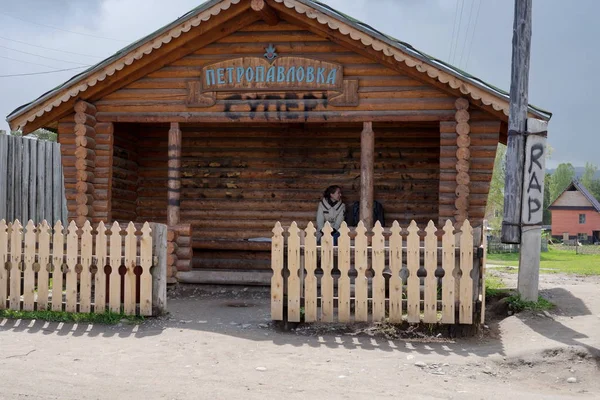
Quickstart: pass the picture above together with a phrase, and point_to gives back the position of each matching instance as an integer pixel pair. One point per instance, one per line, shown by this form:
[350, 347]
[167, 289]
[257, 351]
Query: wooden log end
[462, 116]
[461, 104]
[84, 107]
[463, 128]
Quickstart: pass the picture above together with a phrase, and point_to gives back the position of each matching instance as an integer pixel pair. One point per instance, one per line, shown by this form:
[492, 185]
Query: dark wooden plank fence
[31, 180]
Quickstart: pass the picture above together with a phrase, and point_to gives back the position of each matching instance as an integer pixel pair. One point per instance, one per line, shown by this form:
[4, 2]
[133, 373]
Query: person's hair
[330, 190]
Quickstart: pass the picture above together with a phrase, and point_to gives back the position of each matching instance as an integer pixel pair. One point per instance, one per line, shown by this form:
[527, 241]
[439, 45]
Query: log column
[367, 150]
[103, 172]
[174, 175]
[463, 160]
[85, 163]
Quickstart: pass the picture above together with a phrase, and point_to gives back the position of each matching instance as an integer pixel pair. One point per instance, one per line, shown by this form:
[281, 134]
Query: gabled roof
[575, 184]
[403, 52]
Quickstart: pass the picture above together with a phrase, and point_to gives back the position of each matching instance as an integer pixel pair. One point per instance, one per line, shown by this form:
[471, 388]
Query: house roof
[575, 184]
[435, 68]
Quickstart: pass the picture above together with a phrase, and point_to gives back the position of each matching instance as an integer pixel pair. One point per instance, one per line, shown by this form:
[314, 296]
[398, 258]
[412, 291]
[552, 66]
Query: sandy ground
[221, 346]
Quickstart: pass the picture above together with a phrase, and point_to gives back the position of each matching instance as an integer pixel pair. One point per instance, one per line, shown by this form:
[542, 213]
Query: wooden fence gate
[404, 275]
[83, 270]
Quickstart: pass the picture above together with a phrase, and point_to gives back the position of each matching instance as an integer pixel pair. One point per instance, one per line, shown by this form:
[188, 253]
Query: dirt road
[218, 347]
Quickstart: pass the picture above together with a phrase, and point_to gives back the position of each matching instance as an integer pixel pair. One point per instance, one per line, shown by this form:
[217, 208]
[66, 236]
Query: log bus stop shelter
[240, 113]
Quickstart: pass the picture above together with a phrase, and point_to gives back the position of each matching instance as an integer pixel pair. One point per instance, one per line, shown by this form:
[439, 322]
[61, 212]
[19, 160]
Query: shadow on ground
[245, 313]
[566, 306]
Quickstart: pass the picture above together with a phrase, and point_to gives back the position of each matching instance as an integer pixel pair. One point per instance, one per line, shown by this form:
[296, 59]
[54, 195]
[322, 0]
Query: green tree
[547, 218]
[594, 188]
[588, 175]
[589, 180]
[42, 134]
[562, 177]
[495, 203]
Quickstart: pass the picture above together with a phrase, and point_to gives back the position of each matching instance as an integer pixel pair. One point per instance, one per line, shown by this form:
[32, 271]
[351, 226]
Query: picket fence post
[293, 286]
[58, 243]
[378, 265]
[310, 280]
[116, 244]
[395, 285]
[28, 271]
[344, 267]
[361, 309]
[430, 299]
[85, 280]
[277, 278]
[327, 279]
[44, 263]
[3, 261]
[16, 242]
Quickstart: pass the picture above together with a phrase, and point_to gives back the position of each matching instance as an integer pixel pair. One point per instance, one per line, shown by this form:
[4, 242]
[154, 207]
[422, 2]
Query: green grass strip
[109, 318]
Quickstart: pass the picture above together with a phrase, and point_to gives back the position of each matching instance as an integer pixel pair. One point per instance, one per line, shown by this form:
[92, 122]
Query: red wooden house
[576, 214]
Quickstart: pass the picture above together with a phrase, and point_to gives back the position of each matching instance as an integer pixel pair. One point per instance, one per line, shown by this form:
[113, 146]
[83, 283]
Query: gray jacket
[334, 214]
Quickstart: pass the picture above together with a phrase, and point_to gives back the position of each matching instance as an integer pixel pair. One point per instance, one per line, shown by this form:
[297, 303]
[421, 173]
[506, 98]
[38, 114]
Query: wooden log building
[241, 112]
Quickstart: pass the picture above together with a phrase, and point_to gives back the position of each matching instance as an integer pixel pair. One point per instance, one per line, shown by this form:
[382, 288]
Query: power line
[37, 55]
[462, 53]
[27, 62]
[453, 30]
[472, 35]
[49, 48]
[41, 73]
[63, 30]
[462, 6]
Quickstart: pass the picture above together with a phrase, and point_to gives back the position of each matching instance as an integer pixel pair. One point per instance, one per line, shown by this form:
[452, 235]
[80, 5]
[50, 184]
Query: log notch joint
[85, 160]
[179, 250]
[367, 150]
[103, 172]
[463, 160]
[266, 13]
[179, 243]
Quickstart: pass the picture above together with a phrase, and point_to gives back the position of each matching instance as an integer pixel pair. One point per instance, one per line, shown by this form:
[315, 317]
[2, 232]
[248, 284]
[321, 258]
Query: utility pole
[517, 123]
[525, 162]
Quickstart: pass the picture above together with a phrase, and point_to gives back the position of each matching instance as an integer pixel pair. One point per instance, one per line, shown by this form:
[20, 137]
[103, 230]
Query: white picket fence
[80, 270]
[414, 278]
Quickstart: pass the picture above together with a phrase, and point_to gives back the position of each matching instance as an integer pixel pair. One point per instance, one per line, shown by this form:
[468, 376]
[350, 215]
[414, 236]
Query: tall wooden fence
[404, 275]
[82, 270]
[31, 180]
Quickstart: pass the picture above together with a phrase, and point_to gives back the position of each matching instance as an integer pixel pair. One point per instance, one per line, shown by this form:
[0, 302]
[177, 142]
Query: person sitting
[332, 210]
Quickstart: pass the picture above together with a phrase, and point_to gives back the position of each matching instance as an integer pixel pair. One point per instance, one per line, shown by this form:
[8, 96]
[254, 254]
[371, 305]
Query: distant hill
[578, 172]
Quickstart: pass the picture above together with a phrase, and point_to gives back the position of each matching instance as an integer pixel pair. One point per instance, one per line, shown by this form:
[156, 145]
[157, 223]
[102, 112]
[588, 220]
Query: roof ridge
[586, 193]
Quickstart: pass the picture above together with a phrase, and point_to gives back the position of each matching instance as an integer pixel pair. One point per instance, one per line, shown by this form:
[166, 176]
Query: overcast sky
[563, 60]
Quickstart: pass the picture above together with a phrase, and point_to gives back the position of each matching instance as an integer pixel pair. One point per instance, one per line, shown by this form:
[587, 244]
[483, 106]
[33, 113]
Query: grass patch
[516, 304]
[555, 261]
[493, 285]
[109, 318]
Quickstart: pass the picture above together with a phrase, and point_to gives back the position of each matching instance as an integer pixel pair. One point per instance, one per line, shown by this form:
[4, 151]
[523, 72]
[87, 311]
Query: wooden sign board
[533, 176]
[284, 73]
